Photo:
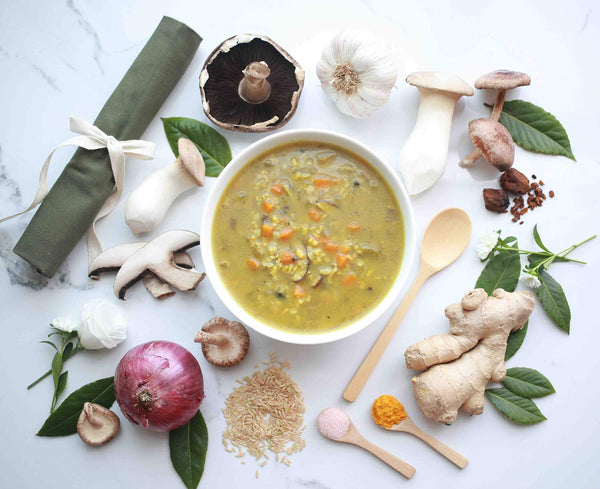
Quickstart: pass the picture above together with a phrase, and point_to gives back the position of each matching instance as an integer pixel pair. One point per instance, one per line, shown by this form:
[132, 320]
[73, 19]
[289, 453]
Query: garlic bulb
[357, 71]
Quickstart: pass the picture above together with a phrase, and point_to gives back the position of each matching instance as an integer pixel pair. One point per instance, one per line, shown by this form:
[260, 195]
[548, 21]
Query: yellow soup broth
[308, 238]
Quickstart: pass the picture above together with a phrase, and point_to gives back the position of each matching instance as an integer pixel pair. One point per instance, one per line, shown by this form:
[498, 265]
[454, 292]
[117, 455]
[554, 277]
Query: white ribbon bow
[93, 138]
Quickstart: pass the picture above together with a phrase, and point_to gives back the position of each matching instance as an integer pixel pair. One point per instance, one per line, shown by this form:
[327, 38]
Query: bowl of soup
[307, 236]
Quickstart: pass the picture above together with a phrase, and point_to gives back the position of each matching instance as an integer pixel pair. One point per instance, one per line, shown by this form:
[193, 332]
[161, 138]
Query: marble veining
[89, 29]
[47, 78]
[309, 483]
[585, 21]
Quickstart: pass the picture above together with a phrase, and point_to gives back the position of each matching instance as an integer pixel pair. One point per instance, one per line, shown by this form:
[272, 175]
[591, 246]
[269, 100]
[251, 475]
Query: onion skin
[159, 385]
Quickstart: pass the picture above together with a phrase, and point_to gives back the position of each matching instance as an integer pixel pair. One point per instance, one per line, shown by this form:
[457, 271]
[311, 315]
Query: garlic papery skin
[357, 71]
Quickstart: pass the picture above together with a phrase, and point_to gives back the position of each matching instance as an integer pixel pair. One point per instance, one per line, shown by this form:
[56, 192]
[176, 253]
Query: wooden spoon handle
[405, 469]
[366, 368]
[454, 457]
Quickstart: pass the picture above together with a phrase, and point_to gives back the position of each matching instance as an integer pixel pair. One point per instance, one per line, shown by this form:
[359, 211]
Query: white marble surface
[64, 58]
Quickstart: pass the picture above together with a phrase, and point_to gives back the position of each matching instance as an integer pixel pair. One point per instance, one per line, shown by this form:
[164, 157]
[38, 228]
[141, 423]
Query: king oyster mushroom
[422, 159]
[224, 343]
[113, 258]
[250, 84]
[149, 203]
[96, 424]
[492, 141]
[157, 257]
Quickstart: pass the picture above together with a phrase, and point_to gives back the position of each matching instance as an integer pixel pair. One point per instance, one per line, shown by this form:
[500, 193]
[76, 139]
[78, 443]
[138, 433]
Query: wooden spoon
[407, 426]
[445, 239]
[353, 437]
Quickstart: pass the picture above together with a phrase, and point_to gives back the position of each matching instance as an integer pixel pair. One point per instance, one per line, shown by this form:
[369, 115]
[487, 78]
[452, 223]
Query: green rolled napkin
[87, 180]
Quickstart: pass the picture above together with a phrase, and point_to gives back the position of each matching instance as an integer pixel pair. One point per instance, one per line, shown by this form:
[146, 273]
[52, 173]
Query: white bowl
[261, 147]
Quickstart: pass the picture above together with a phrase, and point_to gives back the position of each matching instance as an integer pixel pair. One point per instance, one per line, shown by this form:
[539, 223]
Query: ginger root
[475, 349]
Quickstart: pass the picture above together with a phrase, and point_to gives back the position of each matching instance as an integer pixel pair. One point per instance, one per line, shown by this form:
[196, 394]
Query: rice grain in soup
[308, 237]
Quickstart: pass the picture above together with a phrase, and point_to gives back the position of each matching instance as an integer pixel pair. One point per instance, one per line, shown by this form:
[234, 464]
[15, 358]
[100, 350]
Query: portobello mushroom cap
[250, 84]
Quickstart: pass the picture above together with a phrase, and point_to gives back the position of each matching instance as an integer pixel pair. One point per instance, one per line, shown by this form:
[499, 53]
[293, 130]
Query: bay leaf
[211, 144]
[515, 340]
[188, 446]
[63, 421]
[527, 382]
[502, 271]
[554, 301]
[516, 408]
[534, 129]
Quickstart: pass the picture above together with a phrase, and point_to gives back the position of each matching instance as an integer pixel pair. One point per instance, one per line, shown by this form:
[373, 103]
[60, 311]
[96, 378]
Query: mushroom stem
[497, 110]
[95, 421]
[211, 338]
[471, 158]
[254, 88]
[149, 202]
[423, 157]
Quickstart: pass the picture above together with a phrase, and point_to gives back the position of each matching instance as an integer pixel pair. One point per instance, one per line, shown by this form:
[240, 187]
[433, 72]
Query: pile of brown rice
[266, 412]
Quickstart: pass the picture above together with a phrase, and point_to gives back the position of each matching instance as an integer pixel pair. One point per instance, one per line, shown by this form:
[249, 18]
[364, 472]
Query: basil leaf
[554, 301]
[188, 446]
[515, 340]
[538, 240]
[527, 382]
[502, 271]
[516, 408]
[213, 147]
[63, 421]
[534, 129]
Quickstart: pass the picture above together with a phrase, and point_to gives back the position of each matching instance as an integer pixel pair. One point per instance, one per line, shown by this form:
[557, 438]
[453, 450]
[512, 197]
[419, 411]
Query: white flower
[487, 242]
[530, 280]
[103, 325]
[64, 324]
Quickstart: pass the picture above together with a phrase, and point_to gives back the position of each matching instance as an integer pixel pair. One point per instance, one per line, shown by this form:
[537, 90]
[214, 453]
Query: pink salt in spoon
[337, 426]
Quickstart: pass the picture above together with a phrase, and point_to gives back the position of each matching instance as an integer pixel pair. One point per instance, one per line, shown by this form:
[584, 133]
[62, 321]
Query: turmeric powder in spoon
[388, 411]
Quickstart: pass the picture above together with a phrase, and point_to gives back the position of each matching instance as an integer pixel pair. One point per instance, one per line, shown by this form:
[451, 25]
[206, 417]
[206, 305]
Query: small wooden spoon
[407, 426]
[445, 239]
[353, 437]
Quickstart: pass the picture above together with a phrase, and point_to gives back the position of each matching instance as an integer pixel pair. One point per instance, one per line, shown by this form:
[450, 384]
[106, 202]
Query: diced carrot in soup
[296, 252]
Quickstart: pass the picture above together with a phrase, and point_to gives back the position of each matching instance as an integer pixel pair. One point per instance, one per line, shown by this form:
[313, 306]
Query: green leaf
[502, 271]
[57, 366]
[516, 408]
[527, 382]
[214, 147]
[63, 421]
[537, 258]
[67, 352]
[534, 129]
[538, 240]
[554, 301]
[515, 340]
[50, 343]
[188, 446]
[62, 383]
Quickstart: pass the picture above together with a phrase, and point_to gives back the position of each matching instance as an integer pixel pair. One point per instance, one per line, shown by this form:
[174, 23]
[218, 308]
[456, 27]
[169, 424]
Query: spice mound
[266, 412]
[333, 423]
[388, 411]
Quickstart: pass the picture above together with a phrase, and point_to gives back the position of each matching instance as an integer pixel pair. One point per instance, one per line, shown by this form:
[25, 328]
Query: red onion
[159, 385]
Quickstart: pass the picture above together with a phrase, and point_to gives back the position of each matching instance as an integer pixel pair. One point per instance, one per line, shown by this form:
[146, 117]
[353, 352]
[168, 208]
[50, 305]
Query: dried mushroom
[97, 425]
[224, 343]
[250, 84]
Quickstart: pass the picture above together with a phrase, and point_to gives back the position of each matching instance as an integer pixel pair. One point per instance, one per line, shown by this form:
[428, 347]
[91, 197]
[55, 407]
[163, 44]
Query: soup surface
[308, 237]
